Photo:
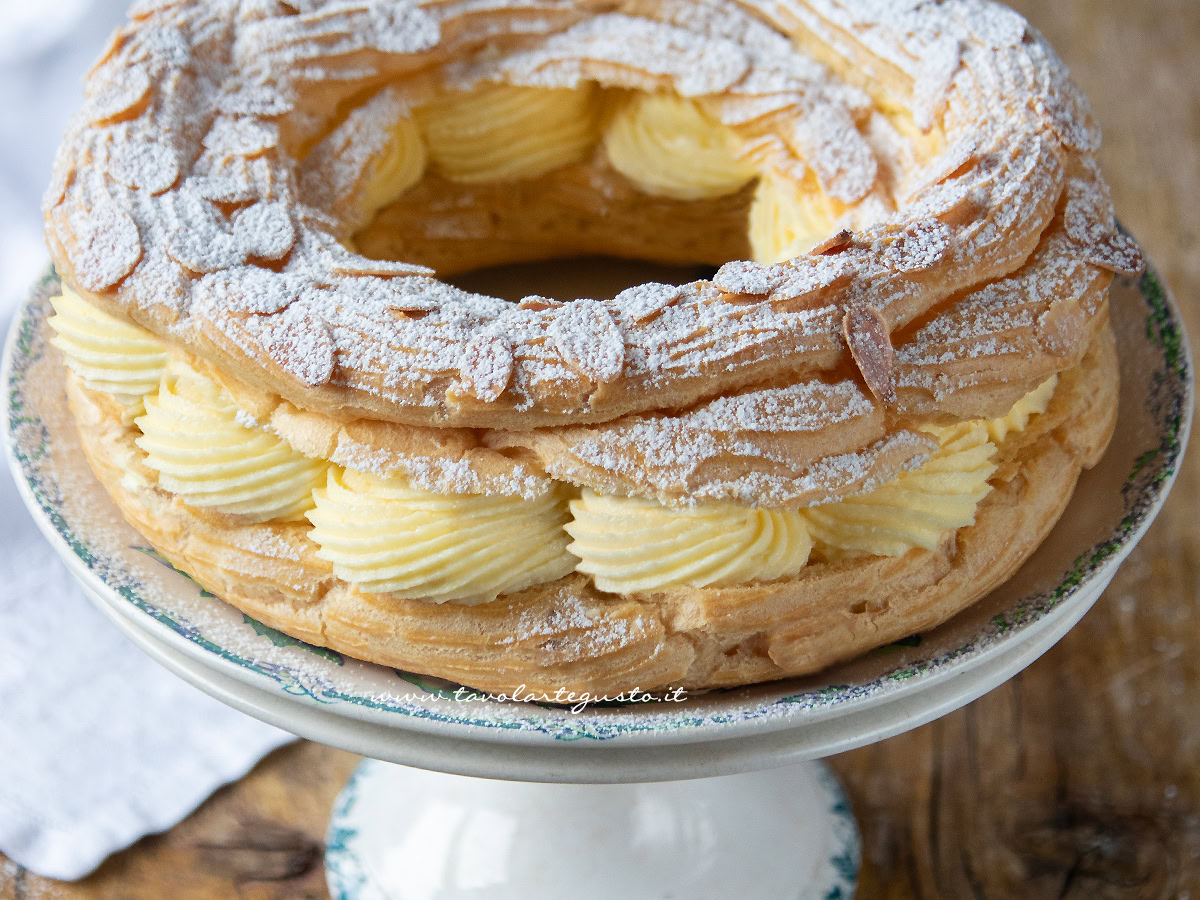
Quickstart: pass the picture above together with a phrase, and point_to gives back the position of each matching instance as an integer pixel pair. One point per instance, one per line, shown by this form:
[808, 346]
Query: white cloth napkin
[99, 745]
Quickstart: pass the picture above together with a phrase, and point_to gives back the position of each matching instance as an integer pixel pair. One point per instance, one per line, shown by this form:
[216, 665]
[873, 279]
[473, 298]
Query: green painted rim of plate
[1147, 483]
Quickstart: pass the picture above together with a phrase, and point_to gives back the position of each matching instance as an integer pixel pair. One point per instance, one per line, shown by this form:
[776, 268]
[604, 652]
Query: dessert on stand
[638, 555]
[597, 766]
[867, 417]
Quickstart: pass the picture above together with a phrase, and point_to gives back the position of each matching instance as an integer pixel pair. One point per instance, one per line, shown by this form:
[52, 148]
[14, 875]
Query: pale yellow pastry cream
[399, 167]
[628, 544]
[504, 132]
[669, 147]
[193, 438]
[107, 353]
[787, 219]
[915, 509]
[632, 544]
[385, 536]
[1032, 404]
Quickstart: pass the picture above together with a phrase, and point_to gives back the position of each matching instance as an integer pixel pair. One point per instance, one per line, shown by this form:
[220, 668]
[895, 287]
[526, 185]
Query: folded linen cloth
[99, 745]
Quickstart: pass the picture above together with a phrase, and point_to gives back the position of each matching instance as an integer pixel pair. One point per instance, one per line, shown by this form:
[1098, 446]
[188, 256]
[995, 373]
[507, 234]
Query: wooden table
[1078, 779]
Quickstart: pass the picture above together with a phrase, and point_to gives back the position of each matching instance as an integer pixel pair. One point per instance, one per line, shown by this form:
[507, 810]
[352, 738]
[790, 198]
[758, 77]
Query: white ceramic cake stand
[713, 796]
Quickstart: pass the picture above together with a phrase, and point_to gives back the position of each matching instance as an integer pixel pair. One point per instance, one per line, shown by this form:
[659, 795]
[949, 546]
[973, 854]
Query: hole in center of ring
[574, 278]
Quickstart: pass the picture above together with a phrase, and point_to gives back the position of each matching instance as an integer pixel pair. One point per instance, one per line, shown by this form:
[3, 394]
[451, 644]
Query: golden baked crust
[217, 190]
[180, 200]
[568, 634]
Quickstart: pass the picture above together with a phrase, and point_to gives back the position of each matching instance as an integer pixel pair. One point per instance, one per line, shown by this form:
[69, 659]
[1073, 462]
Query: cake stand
[710, 795]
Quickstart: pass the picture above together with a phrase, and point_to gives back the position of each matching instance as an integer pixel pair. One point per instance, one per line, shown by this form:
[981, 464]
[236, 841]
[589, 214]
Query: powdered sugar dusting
[117, 92]
[489, 366]
[616, 44]
[918, 245]
[589, 340]
[646, 301]
[442, 475]
[747, 278]
[179, 187]
[300, 343]
[106, 245]
[144, 165]
[828, 138]
[247, 290]
[199, 240]
[805, 443]
[1090, 224]
[247, 137]
[933, 81]
[264, 230]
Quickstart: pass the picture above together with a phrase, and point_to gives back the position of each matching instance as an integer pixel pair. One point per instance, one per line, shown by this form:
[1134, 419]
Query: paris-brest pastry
[867, 419]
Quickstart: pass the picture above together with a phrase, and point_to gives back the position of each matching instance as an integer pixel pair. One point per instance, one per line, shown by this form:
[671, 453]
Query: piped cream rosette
[204, 453]
[916, 509]
[499, 132]
[398, 167]
[669, 147]
[666, 145]
[109, 354]
[385, 535]
[630, 544]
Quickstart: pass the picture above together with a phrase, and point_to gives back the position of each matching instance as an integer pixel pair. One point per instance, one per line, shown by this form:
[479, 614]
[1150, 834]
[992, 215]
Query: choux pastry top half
[869, 415]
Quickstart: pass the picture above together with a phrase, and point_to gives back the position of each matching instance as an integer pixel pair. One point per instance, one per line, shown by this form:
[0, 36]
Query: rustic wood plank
[258, 839]
[1078, 779]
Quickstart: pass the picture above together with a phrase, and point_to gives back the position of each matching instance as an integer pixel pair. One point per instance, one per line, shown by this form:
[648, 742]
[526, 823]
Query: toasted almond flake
[589, 340]
[301, 345]
[833, 243]
[1117, 252]
[119, 94]
[107, 245]
[746, 278]
[866, 335]
[144, 165]
[645, 301]
[264, 230]
[488, 366]
[535, 303]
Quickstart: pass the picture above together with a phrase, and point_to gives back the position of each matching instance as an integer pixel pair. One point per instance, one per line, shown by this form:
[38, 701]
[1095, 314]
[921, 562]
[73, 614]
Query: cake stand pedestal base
[402, 834]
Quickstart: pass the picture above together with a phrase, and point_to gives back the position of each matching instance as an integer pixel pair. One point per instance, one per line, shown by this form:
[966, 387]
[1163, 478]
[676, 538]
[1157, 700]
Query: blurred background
[45, 47]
